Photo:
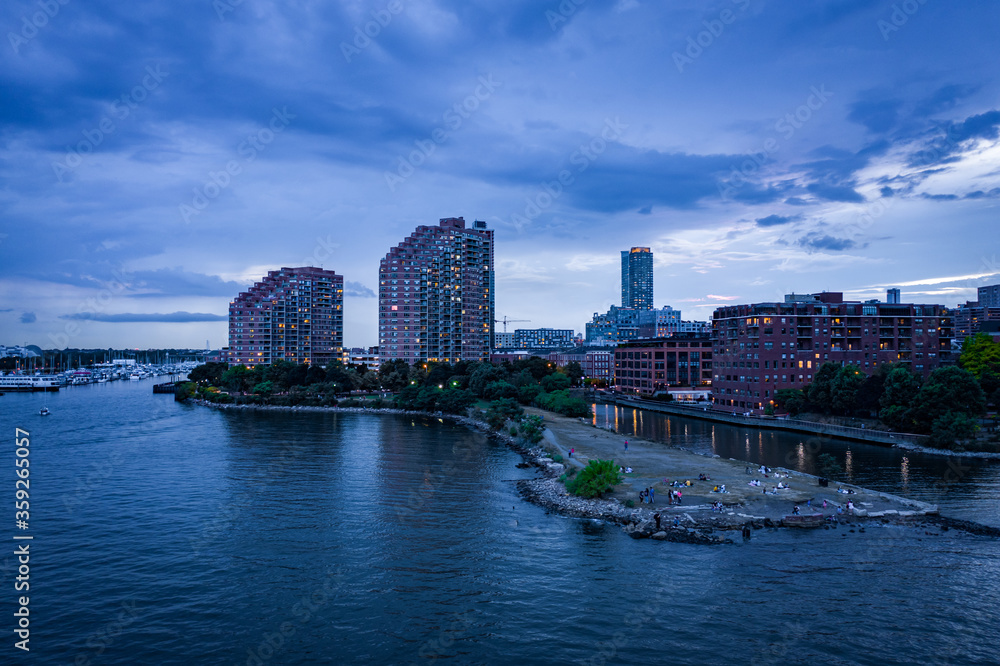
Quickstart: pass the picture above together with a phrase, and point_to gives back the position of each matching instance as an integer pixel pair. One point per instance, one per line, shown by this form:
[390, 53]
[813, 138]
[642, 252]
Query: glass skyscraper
[637, 278]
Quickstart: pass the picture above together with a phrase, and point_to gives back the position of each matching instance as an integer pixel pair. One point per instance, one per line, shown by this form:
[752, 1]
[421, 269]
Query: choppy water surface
[169, 533]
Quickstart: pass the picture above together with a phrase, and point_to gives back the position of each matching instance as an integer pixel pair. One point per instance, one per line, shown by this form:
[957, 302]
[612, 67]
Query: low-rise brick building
[649, 367]
[762, 348]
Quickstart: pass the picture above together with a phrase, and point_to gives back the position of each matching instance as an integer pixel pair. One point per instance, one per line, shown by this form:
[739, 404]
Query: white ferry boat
[29, 383]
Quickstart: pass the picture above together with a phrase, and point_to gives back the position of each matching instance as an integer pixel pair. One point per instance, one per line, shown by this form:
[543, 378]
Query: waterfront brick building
[436, 294]
[649, 367]
[762, 348]
[292, 314]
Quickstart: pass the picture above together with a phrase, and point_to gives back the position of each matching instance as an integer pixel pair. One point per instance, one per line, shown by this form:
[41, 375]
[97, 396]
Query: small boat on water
[44, 411]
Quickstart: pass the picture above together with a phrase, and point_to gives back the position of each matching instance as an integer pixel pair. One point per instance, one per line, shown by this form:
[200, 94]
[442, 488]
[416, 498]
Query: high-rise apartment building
[292, 314]
[436, 294]
[762, 348]
[989, 297]
[892, 296]
[637, 278]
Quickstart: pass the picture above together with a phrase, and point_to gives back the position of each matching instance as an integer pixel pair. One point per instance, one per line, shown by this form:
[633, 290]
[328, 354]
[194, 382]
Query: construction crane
[506, 321]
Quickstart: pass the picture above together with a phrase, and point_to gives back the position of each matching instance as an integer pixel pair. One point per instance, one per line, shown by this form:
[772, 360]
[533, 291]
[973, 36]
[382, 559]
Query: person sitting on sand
[723, 488]
[628, 470]
[795, 511]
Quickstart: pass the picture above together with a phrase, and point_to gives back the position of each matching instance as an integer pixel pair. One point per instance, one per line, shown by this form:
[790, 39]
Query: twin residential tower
[436, 303]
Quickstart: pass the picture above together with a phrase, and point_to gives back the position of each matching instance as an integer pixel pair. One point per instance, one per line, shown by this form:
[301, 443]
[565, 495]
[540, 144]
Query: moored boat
[29, 383]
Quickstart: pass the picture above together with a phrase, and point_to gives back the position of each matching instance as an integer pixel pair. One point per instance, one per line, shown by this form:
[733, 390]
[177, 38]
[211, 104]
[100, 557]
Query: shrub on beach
[597, 478]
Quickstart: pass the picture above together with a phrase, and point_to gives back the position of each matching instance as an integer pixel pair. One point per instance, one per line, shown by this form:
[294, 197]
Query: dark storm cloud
[817, 241]
[775, 220]
[28, 318]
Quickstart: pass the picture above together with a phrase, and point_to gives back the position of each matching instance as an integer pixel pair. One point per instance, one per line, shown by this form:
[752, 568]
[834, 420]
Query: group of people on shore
[647, 495]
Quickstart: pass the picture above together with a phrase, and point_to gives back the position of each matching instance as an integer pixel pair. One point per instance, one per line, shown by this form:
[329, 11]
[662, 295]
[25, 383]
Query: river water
[176, 534]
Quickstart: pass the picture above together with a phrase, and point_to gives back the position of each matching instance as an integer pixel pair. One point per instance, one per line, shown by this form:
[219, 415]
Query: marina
[100, 373]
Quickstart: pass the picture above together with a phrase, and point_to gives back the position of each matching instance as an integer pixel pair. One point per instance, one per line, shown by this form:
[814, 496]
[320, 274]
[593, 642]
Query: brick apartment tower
[293, 314]
[760, 349]
[637, 278]
[436, 295]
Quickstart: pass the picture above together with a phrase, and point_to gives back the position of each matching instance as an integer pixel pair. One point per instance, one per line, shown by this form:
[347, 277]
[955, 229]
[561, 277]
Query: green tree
[793, 401]
[844, 389]
[901, 388]
[501, 410]
[948, 390]
[439, 373]
[574, 371]
[562, 403]
[532, 428]
[555, 382]
[315, 375]
[210, 373]
[185, 391]
[981, 357]
[497, 390]
[527, 393]
[819, 391]
[872, 389]
[483, 375]
[239, 378]
[345, 378]
[597, 478]
[951, 430]
[265, 388]
[538, 367]
[369, 381]
[455, 401]
[393, 375]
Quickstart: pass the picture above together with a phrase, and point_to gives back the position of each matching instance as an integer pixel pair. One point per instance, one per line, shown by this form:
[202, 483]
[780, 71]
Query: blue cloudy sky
[156, 157]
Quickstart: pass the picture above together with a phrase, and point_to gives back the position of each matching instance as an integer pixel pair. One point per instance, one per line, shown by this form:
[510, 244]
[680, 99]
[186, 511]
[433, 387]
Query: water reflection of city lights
[800, 451]
[904, 470]
[849, 464]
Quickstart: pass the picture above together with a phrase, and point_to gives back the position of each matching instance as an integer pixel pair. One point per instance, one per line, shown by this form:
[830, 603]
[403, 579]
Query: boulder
[659, 536]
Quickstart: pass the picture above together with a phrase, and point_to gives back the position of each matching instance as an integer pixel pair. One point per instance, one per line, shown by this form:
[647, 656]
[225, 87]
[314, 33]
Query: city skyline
[157, 162]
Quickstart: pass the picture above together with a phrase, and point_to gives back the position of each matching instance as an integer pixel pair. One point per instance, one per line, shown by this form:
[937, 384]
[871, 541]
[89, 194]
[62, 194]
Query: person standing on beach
[656, 517]
[652, 495]
[626, 445]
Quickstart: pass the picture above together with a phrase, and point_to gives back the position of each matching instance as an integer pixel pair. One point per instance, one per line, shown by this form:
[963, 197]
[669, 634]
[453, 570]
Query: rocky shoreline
[676, 525]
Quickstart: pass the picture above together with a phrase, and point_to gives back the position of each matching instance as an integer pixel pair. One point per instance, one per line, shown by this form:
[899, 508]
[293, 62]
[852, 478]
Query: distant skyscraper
[637, 278]
[892, 297]
[989, 297]
[436, 295]
[293, 314]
